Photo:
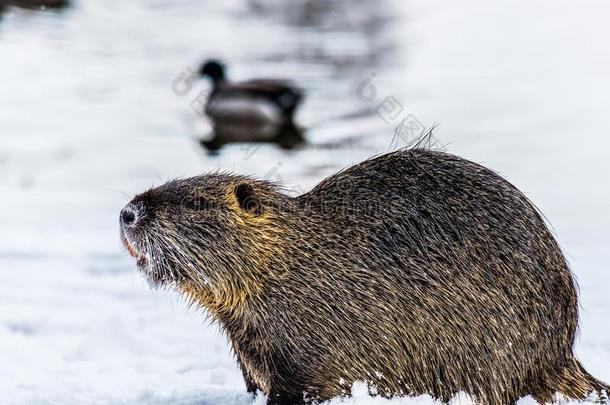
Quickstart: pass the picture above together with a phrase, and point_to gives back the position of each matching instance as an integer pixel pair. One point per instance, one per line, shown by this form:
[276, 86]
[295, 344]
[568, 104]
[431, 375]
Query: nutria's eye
[197, 203]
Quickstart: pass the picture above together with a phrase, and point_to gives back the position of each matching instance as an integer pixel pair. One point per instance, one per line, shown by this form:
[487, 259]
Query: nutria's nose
[129, 215]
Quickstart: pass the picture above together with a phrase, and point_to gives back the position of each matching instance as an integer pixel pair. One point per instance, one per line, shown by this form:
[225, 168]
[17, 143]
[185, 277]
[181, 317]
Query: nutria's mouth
[141, 258]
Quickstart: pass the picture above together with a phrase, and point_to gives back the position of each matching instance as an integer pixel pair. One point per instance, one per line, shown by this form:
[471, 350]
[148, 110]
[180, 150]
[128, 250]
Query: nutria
[415, 272]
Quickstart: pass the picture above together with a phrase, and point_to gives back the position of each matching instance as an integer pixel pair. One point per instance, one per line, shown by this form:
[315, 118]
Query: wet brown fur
[416, 272]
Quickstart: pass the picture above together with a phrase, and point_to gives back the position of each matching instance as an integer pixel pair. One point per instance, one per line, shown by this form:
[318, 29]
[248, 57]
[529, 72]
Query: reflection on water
[286, 136]
[37, 4]
[359, 18]
[345, 35]
[34, 4]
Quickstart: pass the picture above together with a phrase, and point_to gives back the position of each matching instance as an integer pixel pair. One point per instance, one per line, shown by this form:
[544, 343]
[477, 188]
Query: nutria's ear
[247, 199]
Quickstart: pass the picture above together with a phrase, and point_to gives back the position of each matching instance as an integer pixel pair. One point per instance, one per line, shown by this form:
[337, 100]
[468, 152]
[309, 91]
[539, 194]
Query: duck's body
[252, 102]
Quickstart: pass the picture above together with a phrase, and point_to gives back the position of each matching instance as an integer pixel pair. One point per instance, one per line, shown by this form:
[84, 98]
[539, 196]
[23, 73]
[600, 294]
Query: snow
[88, 118]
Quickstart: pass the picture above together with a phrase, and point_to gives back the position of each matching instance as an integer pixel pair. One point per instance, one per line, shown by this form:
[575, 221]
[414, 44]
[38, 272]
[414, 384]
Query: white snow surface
[88, 118]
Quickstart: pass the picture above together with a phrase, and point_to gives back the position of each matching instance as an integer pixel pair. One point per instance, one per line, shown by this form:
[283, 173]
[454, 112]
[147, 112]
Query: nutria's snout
[129, 215]
[129, 218]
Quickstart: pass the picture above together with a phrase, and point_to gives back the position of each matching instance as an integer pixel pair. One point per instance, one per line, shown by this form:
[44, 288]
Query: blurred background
[98, 102]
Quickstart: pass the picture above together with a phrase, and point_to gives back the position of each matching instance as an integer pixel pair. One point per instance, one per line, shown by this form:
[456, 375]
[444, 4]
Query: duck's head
[213, 69]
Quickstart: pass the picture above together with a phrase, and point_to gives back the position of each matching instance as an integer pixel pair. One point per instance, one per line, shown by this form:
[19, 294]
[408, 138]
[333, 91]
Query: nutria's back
[416, 271]
[439, 259]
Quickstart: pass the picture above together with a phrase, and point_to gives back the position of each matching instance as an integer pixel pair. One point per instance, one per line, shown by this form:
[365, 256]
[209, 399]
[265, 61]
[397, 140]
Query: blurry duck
[253, 102]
